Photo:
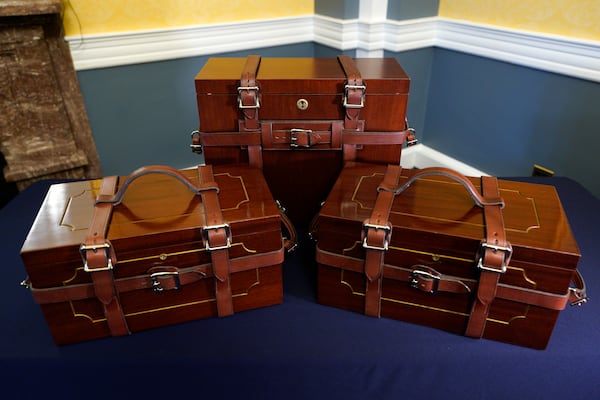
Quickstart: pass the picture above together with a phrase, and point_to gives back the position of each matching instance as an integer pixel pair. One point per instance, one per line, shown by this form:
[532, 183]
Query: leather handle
[479, 199]
[290, 243]
[156, 169]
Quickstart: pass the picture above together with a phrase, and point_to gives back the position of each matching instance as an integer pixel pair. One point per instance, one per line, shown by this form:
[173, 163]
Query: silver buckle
[581, 297]
[386, 240]
[507, 255]
[417, 273]
[95, 247]
[413, 141]
[247, 88]
[294, 137]
[156, 285]
[207, 228]
[362, 97]
[196, 148]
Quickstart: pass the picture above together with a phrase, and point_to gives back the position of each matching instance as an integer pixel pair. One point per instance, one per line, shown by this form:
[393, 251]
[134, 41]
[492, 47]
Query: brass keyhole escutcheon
[302, 104]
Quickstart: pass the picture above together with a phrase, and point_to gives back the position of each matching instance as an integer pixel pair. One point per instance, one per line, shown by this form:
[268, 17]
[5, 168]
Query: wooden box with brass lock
[113, 256]
[476, 256]
[299, 119]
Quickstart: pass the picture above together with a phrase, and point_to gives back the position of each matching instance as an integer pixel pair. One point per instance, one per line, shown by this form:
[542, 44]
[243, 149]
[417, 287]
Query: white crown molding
[563, 55]
[569, 56]
[125, 48]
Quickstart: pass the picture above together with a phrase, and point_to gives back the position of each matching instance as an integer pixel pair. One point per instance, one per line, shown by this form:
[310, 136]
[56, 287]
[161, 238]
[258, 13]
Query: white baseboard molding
[563, 55]
[421, 156]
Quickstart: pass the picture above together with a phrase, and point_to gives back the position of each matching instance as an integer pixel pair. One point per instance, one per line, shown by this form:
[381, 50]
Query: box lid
[302, 75]
[440, 210]
[157, 212]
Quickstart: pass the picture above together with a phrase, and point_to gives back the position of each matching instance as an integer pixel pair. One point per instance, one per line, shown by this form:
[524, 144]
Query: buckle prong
[256, 99]
[507, 255]
[95, 247]
[386, 239]
[294, 137]
[205, 234]
[417, 273]
[362, 97]
[155, 278]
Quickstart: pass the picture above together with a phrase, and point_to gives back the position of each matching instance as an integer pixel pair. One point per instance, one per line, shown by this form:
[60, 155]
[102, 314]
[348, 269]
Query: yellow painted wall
[85, 17]
[574, 18]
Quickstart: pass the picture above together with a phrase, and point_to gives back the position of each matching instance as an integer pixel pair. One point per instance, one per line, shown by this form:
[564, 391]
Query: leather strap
[97, 252]
[290, 243]
[336, 139]
[217, 240]
[575, 295]
[157, 278]
[251, 140]
[427, 279]
[495, 255]
[354, 92]
[298, 135]
[99, 260]
[495, 249]
[210, 139]
[249, 93]
[376, 235]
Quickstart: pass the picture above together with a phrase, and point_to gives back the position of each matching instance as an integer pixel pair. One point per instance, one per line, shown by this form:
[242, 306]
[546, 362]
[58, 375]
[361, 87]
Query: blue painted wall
[417, 64]
[409, 9]
[143, 114]
[342, 9]
[502, 118]
[498, 117]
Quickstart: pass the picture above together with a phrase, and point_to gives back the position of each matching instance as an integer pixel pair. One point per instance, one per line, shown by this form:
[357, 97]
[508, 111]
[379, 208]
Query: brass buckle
[206, 237]
[362, 97]
[95, 247]
[417, 274]
[507, 255]
[386, 240]
[294, 137]
[155, 278]
[256, 98]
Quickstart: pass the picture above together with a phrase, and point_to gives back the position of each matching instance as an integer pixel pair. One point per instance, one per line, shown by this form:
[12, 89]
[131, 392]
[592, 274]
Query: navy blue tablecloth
[300, 349]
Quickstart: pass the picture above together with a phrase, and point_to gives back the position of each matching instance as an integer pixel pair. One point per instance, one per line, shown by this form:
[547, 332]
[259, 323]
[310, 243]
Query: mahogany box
[118, 255]
[426, 267]
[299, 118]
